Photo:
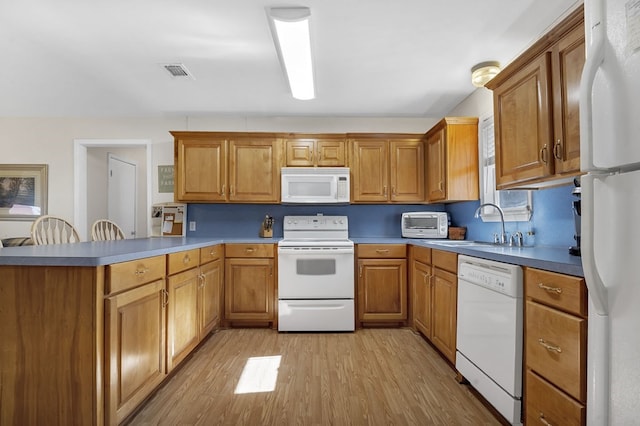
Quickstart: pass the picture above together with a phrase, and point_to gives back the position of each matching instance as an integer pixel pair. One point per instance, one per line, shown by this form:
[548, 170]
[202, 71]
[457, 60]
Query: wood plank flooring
[370, 377]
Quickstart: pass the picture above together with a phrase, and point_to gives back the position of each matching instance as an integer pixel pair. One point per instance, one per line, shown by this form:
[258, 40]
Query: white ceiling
[390, 58]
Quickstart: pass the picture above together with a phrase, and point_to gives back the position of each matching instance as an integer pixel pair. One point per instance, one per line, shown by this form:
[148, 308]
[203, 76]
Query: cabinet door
[445, 298]
[370, 171]
[407, 170]
[182, 321]
[249, 289]
[299, 152]
[436, 177]
[134, 348]
[254, 171]
[201, 173]
[210, 297]
[382, 290]
[331, 153]
[421, 285]
[568, 61]
[522, 125]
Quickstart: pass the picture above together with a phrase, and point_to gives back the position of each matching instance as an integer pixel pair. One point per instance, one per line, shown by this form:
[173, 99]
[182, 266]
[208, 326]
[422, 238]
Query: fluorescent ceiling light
[290, 27]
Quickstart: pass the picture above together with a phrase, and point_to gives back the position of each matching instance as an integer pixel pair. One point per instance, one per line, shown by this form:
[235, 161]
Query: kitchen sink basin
[462, 243]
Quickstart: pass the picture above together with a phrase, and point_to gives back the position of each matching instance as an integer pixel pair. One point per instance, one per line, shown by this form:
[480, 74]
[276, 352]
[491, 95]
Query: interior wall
[33, 140]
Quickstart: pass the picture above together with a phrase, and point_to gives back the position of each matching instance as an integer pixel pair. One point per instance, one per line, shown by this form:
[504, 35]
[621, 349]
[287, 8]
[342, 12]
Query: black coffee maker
[575, 250]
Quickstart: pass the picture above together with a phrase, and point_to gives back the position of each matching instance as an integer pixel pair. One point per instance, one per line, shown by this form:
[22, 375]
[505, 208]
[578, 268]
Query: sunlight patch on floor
[259, 375]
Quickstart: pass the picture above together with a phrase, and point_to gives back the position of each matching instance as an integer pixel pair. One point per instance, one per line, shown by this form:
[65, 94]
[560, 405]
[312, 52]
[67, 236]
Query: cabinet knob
[186, 259]
[142, 271]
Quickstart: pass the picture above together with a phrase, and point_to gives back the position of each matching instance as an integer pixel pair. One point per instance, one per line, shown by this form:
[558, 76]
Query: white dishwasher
[489, 332]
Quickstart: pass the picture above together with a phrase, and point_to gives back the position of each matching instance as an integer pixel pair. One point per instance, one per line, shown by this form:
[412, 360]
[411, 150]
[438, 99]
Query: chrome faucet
[503, 235]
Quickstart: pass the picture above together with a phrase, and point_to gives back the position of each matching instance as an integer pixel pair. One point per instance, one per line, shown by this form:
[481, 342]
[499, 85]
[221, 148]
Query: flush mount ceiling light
[290, 30]
[483, 72]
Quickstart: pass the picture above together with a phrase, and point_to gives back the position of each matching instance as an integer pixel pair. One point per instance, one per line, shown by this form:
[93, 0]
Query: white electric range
[316, 275]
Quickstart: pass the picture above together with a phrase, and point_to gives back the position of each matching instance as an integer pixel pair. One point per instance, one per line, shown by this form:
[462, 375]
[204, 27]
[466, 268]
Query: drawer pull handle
[543, 420]
[142, 271]
[186, 260]
[549, 289]
[249, 250]
[382, 251]
[549, 347]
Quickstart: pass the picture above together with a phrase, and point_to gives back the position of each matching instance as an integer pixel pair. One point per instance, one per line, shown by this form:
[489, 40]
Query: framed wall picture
[23, 191]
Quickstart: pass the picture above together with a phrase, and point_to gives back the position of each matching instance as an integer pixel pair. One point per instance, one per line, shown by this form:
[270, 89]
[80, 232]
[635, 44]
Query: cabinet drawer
[545, 403]
[373, 251]
[126, 275]
[210, 253]
[181, 261]
[556, 348]
[561, 291]
[446, 260]
[421, 254]
[249, 250]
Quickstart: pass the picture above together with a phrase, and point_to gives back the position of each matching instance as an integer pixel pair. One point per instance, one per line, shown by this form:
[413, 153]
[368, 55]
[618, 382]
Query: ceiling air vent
[178, 71]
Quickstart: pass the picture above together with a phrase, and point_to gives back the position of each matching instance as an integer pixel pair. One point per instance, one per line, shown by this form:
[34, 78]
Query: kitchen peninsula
[69, 315]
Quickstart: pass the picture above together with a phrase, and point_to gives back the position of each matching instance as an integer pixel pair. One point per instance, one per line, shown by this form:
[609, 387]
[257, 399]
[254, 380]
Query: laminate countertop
[97, 253]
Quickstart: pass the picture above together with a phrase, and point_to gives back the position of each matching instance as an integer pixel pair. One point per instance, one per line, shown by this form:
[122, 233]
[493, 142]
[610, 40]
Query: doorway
[84, 191]
[122, 193]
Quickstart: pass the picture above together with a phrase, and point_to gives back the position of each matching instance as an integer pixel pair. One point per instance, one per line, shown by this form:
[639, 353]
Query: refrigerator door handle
[595, 285]
[595, 58]
[598, 360]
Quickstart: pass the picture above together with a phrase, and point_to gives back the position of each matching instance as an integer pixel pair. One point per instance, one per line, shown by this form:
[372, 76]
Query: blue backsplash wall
[552, 220]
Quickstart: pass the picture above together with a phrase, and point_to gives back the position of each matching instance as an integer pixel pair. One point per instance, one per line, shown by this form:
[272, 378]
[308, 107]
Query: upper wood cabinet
[452, 160]
[536, 109]
[307, 150]
[387, 168]
[227, 167]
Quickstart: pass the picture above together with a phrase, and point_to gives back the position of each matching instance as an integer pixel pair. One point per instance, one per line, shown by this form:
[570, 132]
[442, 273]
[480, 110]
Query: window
[516, 204]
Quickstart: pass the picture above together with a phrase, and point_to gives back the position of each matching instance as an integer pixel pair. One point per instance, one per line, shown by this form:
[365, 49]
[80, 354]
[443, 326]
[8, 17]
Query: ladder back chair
[53, 230]
[105, 229]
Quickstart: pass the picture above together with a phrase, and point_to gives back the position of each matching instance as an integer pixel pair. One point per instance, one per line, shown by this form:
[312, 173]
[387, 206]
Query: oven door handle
[315, 306]
[314, 251]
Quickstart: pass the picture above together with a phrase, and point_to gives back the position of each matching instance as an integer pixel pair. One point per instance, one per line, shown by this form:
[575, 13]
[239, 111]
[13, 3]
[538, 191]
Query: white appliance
[425, 224]
[610, 237]
[315, 185]
[168, 220]
[316, 275]
[489, 332]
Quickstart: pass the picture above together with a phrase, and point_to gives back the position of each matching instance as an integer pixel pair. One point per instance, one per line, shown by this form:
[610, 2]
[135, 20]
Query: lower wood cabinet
[382, 283]
[210, 297]
[249, 289]
[555, 348]
[194, 300]
[182, 316]
[421, 289]
[135, 344]
[435, 297]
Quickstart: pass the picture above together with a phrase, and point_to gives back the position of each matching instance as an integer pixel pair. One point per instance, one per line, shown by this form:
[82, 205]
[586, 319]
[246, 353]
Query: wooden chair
[104, 229]
[53, 230]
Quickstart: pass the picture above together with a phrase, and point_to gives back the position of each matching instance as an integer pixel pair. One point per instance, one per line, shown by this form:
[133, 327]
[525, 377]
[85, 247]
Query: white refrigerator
[610, 155]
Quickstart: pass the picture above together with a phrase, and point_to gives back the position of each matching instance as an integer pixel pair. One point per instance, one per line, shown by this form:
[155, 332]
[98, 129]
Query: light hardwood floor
[370, 377]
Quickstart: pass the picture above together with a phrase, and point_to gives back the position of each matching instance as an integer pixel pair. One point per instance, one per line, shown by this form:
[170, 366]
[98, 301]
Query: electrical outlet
[192, 225]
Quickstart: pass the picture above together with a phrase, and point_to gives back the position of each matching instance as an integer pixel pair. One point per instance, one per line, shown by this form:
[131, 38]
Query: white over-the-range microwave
[315, 185]
[425, 224]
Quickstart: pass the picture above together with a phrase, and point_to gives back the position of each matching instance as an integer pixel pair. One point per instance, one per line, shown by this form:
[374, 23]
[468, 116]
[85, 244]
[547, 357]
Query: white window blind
[516, 204]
